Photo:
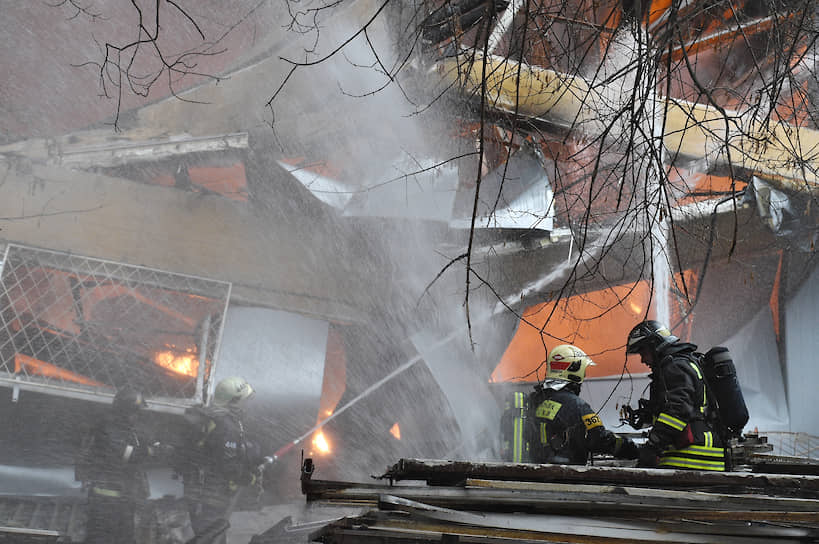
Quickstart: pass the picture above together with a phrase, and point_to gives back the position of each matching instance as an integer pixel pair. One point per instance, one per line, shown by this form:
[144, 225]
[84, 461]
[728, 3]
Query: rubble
[421, 500]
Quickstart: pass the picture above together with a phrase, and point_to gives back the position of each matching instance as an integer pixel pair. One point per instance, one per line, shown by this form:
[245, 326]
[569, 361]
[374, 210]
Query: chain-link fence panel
[80, 326]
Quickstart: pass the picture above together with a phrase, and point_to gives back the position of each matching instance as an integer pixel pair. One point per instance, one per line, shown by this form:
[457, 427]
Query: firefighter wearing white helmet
[567, 428]
[220, 459]
[232, 391]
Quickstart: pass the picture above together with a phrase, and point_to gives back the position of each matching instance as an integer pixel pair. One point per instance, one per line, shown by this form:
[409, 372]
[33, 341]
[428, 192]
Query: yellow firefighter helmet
[568, 363]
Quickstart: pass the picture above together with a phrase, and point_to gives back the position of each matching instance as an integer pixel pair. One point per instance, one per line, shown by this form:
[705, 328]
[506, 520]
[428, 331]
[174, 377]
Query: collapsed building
[315, 246]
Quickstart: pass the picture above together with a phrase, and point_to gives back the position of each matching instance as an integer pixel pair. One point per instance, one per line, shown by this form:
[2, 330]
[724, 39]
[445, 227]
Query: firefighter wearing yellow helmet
[567, 428]
[568, 363]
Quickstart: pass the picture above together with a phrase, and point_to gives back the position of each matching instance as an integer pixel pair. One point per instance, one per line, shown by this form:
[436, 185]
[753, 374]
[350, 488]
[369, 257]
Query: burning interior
[592, 163]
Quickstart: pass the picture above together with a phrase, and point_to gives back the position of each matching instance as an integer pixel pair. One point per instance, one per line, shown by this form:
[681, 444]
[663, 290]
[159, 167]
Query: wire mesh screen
[793, 444]
[75, 324]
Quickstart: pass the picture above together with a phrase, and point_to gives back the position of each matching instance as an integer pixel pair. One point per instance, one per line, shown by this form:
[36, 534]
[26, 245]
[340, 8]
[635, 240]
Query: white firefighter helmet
[232, 390]
[568, 363]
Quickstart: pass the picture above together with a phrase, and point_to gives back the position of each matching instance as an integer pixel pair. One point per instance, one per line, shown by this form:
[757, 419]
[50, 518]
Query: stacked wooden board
[451, 501]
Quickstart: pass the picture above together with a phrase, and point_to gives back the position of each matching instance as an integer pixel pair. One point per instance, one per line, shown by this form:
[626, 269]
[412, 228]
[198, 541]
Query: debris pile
[450, 501]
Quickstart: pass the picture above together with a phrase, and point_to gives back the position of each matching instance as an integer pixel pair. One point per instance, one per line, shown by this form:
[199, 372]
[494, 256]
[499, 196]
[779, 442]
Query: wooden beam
[453, 471]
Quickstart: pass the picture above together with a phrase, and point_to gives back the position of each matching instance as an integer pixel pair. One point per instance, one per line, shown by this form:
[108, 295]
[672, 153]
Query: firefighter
[219, 460]
[566, 427]
[678, 405]
[114, 475]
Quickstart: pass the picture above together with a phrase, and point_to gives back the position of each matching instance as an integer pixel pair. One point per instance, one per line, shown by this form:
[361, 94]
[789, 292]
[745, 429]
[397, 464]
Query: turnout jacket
[680, 410]
[115, 463]
[219, 458]
[568, 429]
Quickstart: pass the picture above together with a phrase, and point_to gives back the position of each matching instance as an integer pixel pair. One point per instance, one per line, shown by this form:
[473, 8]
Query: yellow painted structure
[783, 154]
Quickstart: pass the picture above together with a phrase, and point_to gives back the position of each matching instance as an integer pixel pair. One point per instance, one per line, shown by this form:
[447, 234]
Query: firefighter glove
[625, 448]
[638, 417]
[649, 456]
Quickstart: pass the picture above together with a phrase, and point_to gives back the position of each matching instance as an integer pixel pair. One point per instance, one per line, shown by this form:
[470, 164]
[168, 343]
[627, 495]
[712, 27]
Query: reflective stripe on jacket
[568, 428]
[520, 446]
[679, 396]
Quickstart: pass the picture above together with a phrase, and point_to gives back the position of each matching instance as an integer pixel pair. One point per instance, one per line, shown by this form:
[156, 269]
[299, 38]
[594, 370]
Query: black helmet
[128, 401]
[648, 334]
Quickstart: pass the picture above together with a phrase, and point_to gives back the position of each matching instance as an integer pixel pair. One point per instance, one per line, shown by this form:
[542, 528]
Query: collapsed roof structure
[591, 163]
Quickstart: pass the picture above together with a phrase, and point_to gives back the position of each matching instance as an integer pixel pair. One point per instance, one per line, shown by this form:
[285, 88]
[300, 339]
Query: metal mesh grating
[793, 444]
[78, 325]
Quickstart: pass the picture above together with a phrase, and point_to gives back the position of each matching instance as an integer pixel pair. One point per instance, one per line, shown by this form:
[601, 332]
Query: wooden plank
[477, 499]
[485, 511]
[437, 471]
[423, 525]
[777, 503]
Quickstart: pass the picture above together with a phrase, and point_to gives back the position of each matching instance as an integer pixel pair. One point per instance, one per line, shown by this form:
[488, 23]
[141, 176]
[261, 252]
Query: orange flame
[182, 363]
[395, 430]
[320, 442]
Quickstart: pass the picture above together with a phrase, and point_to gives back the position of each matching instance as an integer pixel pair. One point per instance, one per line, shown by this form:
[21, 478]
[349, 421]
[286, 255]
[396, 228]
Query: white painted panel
[802, 347]
[608, 395]
[754, 352]
[280, 353]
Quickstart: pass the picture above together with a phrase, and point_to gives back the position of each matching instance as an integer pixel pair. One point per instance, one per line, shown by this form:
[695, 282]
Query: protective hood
[555, 385]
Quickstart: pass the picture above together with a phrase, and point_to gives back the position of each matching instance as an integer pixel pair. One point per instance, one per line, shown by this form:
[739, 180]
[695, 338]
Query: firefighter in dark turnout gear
[115, 476]
[219, 460]
[678, 406]
[567, 428]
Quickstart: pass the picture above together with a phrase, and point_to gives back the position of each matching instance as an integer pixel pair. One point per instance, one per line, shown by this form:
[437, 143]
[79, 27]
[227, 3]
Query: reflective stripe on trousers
[695, 457]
